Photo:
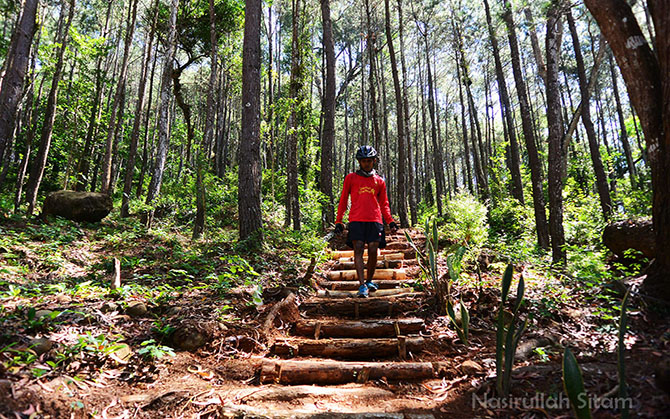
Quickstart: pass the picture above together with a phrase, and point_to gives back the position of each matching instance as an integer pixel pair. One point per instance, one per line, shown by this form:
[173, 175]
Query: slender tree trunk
[464, 127]
[528, 133]
[147, 120]
[139, 109]
[292, 195]
[402, 202]
[555, 125]
[37, 170]
[506, 109]
[16, 65]
[328, 133]
[406, 122]
[203, 153]
[598, 168]
[118, 107]
[164, 114]
[623, 136]
[437, 150]
[537, 51]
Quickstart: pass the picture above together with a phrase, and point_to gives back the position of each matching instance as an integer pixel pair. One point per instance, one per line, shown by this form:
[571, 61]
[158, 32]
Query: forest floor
[72, 347]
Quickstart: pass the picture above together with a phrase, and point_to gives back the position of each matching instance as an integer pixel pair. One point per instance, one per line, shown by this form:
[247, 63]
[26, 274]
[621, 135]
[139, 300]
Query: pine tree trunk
[163, 114]
[437, 150]
[400, 114]
[464, 127]
[528, 133]
[295, 84]
[328, 133]
[406, 122]
[16, 65]
[116, 118]
[37, 170]
[623, 136]
[249, 170]
[139, 109]
[555, 126]
[203, 153]
[598, 168]
[506, 109]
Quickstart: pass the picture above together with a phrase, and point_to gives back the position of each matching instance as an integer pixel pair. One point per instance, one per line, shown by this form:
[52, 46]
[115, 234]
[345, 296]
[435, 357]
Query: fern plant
[507, 340]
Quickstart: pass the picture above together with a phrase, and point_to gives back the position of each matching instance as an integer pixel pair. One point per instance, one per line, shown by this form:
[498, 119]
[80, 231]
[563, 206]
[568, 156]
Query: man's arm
[344, 199]
[383, 200]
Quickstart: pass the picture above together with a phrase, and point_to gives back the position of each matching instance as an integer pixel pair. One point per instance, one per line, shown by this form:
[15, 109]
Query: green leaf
[465, 321]
[574, 386]
[519, 294]
[506, 283]
[435, 241]
[623, 388]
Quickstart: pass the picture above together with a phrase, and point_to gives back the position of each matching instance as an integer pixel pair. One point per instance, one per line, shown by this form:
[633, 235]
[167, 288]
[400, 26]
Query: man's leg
[372, 260]
[359, 247]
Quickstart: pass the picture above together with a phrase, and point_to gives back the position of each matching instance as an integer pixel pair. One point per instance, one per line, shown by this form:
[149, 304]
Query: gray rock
[471, 368]
[78, 206]
[190, 337]
[41, 345]
[137, 309]
[43, 313]
[109, 306]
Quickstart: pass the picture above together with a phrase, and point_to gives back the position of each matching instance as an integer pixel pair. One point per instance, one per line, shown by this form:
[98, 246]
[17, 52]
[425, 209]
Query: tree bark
[118, 106]
[594, 148]
[555, 126]
[139, 109]
[295, 84]
[328, 133]
[40, 161]
[623, 133]
[16, 65]
[163, 113]
[249, 170]
[647, 79]
[506, 109]
[528, 132]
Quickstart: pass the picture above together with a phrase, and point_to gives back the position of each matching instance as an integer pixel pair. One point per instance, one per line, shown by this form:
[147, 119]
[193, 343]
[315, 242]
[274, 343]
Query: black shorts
[366, 231]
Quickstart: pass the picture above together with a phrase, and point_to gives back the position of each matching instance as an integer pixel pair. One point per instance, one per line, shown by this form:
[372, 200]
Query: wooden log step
[334, 372]
[388, 256]
[344, 348]
[399, 245]
[358, 329]
[353, 285]
[381, 264]
[379, 274]
[294, 393]
[337, 254]
[363, 307]
[349, 294]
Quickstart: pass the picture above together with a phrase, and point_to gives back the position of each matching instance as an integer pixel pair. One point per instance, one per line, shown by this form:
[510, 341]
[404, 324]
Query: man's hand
[339, 228]
[393, 226]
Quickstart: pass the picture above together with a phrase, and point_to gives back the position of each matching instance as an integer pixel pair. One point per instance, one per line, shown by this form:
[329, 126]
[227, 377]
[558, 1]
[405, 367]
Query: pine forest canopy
[179, 107]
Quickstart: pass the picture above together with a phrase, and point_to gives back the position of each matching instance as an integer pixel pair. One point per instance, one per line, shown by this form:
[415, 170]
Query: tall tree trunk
[147, 120]
[84, 163]
[437, 150]
[528, 132]
[292, 195]
[537, 51]
[328, 133]
[139, 109]
[623, 133]
[647, 76]
[400, 114]
[118, 106]
[249, 169]
[555, 125]
[37, 170]
[506, 109]
[372, 54]
[16, 65]
[270, 110]
[406, 121]
[598, 168]
[203, 152]
[464, 127]
[163, 114]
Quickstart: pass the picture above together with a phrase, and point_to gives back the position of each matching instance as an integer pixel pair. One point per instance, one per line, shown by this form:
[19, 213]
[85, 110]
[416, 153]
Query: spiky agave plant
[507, 340]
[573, 383]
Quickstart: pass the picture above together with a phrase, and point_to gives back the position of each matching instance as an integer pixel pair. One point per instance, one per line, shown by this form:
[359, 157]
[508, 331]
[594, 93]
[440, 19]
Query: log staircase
[342, 338]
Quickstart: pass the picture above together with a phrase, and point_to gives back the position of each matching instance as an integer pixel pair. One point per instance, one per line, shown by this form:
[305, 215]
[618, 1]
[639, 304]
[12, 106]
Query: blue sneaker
[372, 287]
[362, 291]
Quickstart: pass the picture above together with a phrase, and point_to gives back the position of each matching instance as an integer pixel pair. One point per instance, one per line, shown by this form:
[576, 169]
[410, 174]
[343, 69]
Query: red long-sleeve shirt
[368, 199]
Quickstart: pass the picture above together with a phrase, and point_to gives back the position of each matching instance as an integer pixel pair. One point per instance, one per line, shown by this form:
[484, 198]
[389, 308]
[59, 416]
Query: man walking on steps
[369, 203]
